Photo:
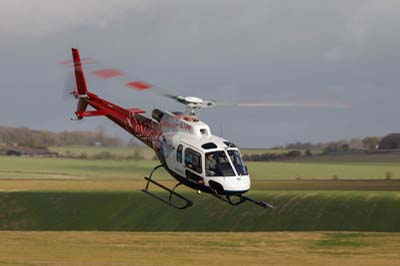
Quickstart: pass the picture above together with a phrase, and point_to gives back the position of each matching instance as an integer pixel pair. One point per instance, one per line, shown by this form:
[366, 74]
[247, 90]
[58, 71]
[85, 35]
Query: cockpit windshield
[237, 162]
[217, 164]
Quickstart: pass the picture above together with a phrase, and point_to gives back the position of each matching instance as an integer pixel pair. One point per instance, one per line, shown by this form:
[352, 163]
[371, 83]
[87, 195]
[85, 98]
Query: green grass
[23, 167]
[126, 184]
[136, 211]
[88, 196]
[311, 170]
[66, 194]
[323, 184]
[375, 157]
[147, 152]
[20, 167]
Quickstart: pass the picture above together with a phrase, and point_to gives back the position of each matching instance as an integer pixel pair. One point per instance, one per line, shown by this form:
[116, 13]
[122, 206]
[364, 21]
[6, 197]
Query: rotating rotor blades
[133, 82]
[69, 86]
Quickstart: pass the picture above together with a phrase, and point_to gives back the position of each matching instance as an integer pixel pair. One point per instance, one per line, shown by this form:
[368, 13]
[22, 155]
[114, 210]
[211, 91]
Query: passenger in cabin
[222, 158]
[188, 161]
[210, 165]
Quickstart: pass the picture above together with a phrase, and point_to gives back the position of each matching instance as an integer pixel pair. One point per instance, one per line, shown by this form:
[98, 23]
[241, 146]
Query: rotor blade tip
[138, 85]
[107, 73]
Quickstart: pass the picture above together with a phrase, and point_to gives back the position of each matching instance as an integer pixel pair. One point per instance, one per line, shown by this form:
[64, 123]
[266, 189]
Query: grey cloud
[42, 17]
[221, 50]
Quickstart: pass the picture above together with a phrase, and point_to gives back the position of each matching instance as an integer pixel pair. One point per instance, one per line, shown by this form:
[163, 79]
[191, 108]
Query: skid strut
[241, 198]
[172, 192]
[257, 202]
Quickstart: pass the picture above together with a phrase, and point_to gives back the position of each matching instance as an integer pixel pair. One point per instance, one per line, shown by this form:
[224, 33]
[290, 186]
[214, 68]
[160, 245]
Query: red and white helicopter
[184, 144]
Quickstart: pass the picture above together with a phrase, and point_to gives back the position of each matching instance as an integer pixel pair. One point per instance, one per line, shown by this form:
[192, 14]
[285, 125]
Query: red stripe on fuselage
[143, 128]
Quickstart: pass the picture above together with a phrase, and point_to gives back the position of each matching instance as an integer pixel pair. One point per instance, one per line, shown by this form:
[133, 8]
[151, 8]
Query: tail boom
[145, 129]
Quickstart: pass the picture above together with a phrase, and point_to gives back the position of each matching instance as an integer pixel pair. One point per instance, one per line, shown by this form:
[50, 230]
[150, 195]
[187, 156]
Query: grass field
[124, 184]
[20, 167]
[24, 167]
[77, 201]
[304, 191]
[250, 249]
[373, 157]
[90, 151]
[132, 211]
[146, 152]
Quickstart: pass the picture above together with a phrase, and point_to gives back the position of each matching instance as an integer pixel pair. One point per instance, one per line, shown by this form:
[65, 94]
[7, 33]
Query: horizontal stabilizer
[82, 114]
[137, 110]
[90, 113]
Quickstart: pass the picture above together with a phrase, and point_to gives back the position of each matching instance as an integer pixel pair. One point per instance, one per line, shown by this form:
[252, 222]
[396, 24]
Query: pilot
[210, 164]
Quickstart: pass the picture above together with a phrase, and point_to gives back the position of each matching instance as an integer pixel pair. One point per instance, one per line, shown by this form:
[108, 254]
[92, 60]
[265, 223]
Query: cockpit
[212, 160]
[219, 163]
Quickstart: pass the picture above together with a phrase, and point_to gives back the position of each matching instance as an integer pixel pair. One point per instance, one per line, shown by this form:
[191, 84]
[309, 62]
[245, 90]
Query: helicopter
[183, 143]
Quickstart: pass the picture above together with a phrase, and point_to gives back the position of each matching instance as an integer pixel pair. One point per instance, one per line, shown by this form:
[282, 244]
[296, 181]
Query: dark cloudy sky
[226, 50]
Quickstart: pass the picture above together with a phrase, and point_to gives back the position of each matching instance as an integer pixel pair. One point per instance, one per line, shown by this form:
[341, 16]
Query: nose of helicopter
[234, 184]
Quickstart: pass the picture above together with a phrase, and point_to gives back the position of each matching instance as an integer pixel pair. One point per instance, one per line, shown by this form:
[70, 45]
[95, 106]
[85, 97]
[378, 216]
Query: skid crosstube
[188, 202]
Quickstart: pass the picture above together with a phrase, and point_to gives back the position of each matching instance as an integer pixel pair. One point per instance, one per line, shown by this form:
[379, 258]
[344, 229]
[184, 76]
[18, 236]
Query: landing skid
[230, 199]
[172, 192]
[240, 199]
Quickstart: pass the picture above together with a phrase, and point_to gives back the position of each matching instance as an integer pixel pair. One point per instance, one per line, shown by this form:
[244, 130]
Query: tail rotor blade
[84, 61]
[69, 86]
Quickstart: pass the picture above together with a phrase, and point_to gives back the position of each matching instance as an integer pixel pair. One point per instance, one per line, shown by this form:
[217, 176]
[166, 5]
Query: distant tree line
[307, 149]
[391, 141]
[354, 144]
[106, 155]
[26, 137]
[265, 157]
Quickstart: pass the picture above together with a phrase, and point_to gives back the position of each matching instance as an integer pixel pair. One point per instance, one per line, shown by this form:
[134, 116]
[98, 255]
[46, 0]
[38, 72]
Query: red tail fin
[79, 75]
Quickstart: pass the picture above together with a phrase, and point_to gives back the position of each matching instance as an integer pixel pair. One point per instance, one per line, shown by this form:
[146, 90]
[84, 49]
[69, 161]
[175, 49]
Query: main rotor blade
[132, 81]
[107, 73]
[305, 104]
[142, 85]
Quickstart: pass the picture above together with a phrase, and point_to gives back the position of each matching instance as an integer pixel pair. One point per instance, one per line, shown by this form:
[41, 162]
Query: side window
[179, 153]
[193, 160]
[204, 132]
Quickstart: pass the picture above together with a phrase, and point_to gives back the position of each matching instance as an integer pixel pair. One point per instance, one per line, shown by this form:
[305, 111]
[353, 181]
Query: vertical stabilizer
[79, 75]
[81, 88]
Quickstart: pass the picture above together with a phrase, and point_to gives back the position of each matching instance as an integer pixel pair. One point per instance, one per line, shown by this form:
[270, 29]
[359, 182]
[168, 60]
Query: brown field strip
[74, 184]
[281, 248]
[326, 184]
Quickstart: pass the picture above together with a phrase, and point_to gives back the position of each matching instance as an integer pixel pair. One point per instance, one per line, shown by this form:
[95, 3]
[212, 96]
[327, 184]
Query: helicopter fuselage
[198, 159]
